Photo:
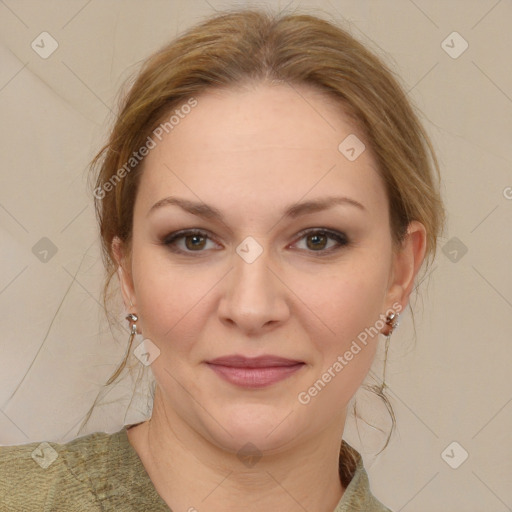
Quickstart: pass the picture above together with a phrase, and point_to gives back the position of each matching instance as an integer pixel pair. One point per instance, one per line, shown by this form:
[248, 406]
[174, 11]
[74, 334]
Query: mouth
[254, 372]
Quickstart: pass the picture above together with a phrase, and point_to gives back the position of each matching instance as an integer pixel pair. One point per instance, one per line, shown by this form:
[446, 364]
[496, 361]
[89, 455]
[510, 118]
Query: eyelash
[339, 237]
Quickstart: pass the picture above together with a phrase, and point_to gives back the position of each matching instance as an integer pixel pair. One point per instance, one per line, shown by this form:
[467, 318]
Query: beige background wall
[452, 384]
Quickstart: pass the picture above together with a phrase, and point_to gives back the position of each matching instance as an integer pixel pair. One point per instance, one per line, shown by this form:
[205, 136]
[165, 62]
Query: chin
[265, 429]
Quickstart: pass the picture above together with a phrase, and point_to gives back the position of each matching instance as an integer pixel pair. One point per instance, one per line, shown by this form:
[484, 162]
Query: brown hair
[251, 45]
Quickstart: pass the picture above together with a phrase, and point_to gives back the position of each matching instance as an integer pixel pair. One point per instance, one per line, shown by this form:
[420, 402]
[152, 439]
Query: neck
[191, 473]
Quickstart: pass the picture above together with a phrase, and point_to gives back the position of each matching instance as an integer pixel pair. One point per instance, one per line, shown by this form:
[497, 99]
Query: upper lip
[239, 361]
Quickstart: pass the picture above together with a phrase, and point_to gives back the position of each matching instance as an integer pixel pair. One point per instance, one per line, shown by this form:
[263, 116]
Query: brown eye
[194, 241]
[318, 239]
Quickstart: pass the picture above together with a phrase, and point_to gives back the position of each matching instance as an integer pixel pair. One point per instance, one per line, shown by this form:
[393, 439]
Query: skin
[251, 152]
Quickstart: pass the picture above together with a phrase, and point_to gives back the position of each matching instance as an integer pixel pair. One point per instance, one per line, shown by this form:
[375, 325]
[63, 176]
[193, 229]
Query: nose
[255, 298]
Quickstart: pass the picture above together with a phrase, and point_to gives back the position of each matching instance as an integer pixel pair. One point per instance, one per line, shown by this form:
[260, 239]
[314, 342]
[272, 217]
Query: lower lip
[254, 377]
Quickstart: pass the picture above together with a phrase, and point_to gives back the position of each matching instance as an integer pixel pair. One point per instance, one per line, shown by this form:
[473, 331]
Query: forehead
[272, 143]
[260, 116]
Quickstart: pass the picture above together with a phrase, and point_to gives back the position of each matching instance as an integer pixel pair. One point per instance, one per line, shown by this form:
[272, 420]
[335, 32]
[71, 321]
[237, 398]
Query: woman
[267, 198]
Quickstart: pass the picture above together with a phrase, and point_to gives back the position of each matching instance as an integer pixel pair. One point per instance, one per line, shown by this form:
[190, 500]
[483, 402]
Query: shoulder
[52, 476]
[358, 495]
[362, 494]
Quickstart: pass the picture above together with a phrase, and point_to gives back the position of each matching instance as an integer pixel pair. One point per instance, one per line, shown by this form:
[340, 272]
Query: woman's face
[261, 167]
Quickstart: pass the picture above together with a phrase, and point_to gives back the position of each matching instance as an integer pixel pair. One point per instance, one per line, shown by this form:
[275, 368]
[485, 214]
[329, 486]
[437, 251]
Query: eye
[317, 239]
[196, 240]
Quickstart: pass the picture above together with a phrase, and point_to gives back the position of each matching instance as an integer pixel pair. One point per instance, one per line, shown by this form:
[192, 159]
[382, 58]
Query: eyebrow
[292, 211]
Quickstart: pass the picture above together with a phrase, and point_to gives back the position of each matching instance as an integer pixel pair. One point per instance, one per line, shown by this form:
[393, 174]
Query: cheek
[349, 317]
[169, 298]
[347, 301]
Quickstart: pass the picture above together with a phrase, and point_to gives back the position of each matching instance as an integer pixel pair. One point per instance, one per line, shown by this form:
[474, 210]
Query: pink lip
[254, 372]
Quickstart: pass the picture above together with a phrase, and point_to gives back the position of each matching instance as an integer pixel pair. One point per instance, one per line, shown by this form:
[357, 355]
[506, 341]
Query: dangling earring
[392, 321]
[133, 318]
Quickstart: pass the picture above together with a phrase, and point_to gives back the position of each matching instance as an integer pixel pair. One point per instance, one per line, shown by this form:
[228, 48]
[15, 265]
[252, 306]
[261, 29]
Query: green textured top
[103, 472]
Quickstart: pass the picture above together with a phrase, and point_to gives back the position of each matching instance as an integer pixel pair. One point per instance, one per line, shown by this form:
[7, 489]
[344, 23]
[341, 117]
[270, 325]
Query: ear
[406, 264]
[124, 274]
